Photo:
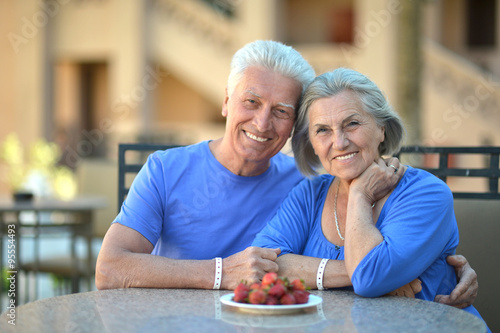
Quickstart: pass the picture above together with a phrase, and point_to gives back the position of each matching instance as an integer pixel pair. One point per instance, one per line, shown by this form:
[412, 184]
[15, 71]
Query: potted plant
[35, 172]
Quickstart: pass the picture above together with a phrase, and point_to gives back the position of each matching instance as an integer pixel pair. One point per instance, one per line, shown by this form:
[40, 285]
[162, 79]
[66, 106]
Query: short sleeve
[143, 208]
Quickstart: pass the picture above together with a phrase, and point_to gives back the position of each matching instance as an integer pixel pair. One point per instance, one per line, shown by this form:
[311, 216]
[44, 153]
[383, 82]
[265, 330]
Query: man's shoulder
[181, 152]
[284, 160]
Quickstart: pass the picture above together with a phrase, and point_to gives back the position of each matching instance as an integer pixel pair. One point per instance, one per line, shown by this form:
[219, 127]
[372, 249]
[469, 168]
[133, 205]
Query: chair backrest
[131, 158]
[447, 157]
[132, 162]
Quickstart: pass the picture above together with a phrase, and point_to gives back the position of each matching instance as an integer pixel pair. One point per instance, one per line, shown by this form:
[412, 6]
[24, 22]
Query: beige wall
[8, 99]
[23, 66]
[82, 29]
[176, 102]
[375, 31]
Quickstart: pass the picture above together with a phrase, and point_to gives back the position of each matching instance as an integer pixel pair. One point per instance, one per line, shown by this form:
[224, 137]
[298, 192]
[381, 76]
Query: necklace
[335, 212]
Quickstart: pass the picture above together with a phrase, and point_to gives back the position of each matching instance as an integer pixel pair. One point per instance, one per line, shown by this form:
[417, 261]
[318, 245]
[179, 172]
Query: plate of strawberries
[274, 295]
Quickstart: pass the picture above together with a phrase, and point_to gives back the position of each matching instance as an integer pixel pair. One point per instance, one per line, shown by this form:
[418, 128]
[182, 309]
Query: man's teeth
[345, 157]
[256, 138]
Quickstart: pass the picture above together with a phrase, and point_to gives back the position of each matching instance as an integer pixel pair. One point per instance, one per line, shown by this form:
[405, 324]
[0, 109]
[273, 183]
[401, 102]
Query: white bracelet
[319, 277]
[218, 273]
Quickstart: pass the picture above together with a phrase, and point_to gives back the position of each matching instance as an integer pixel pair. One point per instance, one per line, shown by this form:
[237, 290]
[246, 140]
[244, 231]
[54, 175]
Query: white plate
[270, 309]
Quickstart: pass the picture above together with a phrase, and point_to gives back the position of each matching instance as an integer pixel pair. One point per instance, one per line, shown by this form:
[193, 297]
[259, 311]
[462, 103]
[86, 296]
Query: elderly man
[190, 205]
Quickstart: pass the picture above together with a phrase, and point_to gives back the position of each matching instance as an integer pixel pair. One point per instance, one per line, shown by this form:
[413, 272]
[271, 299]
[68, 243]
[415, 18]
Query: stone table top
[189, 310]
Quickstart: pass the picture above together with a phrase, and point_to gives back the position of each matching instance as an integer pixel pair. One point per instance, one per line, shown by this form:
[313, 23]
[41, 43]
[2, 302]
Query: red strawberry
[282, 281]
[287, 299]
[269, 278]
[298, 284]
[241, 293]
[271, 300]
[301, 296]
[257, 297]
[241, 296]
[240, 287]
[277, 290]
[255, 286]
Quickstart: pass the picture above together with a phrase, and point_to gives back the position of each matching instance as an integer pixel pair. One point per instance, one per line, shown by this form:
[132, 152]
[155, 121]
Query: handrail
[443, 171]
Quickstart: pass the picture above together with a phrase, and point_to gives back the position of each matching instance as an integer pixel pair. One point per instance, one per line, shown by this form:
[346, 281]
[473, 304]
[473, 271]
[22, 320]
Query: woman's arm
[361, 233]
[295, 266]
[419, 230]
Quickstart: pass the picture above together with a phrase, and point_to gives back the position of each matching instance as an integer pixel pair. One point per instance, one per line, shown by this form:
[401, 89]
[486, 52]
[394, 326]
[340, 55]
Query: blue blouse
[417, 222]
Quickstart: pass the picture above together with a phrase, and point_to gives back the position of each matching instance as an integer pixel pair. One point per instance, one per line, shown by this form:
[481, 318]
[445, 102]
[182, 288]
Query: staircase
[197, 44]
[461, 103]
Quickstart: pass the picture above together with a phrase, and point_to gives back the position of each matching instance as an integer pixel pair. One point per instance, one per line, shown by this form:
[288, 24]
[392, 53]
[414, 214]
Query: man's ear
[224, 105]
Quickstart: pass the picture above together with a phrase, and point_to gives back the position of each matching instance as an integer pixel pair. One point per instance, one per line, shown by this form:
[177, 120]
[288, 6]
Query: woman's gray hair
[271, 55]
[370, 96]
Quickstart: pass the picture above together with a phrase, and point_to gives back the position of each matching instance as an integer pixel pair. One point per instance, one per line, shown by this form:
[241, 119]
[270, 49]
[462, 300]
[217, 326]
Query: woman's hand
[379, 179]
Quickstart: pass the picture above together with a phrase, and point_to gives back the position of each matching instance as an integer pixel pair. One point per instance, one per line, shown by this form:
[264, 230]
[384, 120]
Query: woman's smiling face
[344, 136]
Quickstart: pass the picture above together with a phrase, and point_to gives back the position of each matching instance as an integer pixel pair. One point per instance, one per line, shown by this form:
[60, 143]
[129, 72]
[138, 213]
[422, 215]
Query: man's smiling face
[260, 113]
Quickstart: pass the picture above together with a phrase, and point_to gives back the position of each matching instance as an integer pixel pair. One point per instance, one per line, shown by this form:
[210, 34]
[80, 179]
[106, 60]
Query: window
[481, 23]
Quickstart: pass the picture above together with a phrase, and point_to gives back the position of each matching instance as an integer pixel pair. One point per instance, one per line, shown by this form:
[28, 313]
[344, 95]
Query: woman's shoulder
[317, 181]
[419, 180]
[420, 175]
[315, 185]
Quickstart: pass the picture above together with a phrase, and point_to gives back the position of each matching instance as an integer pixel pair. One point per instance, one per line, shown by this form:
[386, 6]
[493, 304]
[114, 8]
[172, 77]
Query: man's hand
[249, 265]
[408, 290]
[465, 291]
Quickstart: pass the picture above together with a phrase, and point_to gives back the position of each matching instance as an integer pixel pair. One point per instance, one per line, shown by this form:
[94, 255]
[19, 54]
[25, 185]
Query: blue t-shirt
[417, 222]
[191, 207]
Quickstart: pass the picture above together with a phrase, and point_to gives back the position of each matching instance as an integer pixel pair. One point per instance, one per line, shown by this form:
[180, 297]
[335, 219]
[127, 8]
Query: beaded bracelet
[319, 276]
[218, 273]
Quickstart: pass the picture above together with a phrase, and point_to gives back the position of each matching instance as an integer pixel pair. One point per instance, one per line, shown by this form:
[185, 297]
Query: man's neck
[227, 156]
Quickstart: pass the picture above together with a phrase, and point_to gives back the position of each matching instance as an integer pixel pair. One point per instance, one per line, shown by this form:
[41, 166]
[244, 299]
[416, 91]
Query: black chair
[128, 165]
[131, 158]
[477, 212]
[448, 156]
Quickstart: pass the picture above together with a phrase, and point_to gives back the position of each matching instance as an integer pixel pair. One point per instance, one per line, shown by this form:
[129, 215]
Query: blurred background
[85, 75]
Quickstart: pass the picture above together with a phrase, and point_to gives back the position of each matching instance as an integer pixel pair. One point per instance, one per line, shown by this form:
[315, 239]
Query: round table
[188, 310]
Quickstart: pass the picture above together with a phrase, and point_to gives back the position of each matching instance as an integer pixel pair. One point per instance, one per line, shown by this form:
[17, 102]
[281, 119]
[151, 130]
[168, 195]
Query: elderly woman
[373, 236]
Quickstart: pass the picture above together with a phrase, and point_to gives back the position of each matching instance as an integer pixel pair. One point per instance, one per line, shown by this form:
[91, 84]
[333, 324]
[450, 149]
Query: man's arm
[466, 290]
[125, 261]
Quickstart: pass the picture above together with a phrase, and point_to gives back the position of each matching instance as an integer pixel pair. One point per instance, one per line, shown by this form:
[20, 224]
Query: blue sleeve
[289, 228]
[419, 228]
[143, 209]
